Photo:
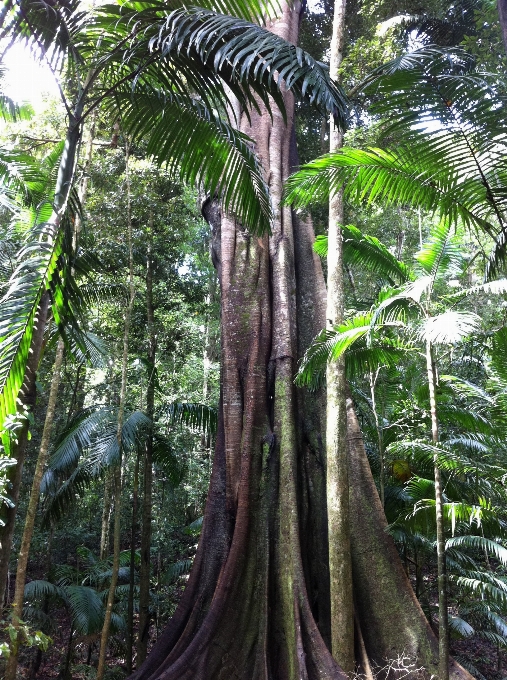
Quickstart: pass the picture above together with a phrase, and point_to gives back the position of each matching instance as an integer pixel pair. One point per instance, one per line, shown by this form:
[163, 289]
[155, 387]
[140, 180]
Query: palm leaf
[197, 416]
[441, 255]
[37, 263]
[449, 327]
[454, 168]
[86, 609]
[165, 459]
[479, 543]
[202, 149]
[329, 345]
[250, 59]
[369, 252]
[460, 627]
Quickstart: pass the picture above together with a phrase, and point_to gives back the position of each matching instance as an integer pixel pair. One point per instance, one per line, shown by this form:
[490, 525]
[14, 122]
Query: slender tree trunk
[18, 449]
[44, 447]
[118, 467]
[443, 615]
[146, 533]
[106, 514]
[17, 605]
[340, 566]
[130, 606]
[380, 437]
[502, 14]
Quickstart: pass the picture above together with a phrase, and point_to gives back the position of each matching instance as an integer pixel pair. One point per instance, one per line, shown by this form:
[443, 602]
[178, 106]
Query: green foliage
[451, 155]
[21, 635]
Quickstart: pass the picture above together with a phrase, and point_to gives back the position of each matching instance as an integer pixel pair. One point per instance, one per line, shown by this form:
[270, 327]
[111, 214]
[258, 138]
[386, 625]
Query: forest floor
[479, 656]
[482, 654]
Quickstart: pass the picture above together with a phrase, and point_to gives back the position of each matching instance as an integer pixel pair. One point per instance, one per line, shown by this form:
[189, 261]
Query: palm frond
[451, 159]
[76, 437]
[165, 459]
[479, 543]
[498, 354]
[59, 498]
[50, 30]
[197, 416]
[320, 245]
[449, 327]
[201, 148]
[178, 569]
[460, 627]
[329, 345]
[482, 584]
[498, 287]
[39, 589]
[370, 253]
[86, 609]
[250, 59]
[37, 263]
[441, 255]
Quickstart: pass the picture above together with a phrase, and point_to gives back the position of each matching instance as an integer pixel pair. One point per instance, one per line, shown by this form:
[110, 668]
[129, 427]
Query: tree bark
[130, 606]
[337, 492]
[392, 620]
[145, 567]
[256, 606]
[502, 14]
[443, 614]
[106, 515]
[17, 604]
[246, 611]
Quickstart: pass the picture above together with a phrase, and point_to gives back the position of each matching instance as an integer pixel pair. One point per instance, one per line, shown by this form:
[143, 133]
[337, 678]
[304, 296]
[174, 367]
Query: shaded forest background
[174, 351]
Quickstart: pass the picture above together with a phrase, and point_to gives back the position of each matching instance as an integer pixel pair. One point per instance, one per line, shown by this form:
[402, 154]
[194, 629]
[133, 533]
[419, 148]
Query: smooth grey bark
[340, 565]
[443, 614]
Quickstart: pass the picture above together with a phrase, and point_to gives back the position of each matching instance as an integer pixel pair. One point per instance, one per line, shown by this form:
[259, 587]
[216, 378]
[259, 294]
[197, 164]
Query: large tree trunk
[256, 606]
[247, 611]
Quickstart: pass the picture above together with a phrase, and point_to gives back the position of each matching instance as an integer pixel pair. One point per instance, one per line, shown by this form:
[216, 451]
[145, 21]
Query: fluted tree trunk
[252, 607]
[257, 603]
